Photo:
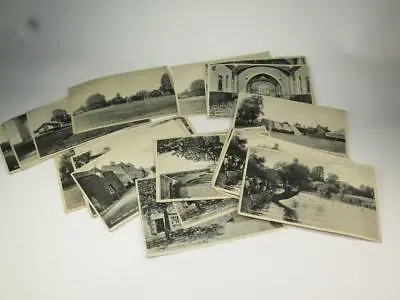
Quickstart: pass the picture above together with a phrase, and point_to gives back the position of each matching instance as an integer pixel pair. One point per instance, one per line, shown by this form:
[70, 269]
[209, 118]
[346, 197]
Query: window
[220, 79]
[159, 225]
[301, 85]
[111, 189]
[226, 81]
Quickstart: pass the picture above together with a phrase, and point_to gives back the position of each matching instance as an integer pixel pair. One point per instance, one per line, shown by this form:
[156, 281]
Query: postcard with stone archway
[164, 234]
[18, 132]
[9, 155]
[311, 189]
[319, 127]
[109, 181]
[226, 81]
[121, 98]
[185, 166]
[189, 82]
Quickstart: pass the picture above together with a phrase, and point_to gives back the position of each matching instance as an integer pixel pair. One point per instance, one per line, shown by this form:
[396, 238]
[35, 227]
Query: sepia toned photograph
[109, 182]
[319, 127]
[320, 191]
[70, 193]
[121, 98]
[52, 128]
[284, 60]
[226, 81]
[19, 135]
[164, 234]
[8, 153]
[189, 83]
[228, 175]
[192, 213]
[185, 166]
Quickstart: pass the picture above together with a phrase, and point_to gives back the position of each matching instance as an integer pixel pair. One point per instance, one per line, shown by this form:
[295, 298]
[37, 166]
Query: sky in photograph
[136, 145]
[184, 75]
[127, 84]
[349, 172]
[43, 114]
[12, 132]
[169, 163]
[306, 114]
[3, 137]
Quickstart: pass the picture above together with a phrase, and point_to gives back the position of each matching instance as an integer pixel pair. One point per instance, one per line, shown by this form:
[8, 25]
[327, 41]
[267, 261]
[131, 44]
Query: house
[159, 221]
[126, 172]
[102, 187]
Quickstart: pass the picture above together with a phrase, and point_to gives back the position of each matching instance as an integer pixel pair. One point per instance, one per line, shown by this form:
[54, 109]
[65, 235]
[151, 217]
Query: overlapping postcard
[164, 234]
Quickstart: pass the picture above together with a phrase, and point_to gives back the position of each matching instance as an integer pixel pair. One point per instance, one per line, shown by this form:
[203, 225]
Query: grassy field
[317, 143]
[149, 108]
[193, 106]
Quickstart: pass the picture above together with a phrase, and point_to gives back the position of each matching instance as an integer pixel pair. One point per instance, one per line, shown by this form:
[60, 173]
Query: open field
[142, 109]
[193, 105]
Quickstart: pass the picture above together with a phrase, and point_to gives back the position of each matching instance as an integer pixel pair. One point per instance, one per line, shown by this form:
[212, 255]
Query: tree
[249, 111]
[142, 94]
[166, 85]
[367, 191]
[118, 99]
[96, 101]
[60, 115]
[192, 148]
[332, 178]
[155, 93]
[317, 173]
[197, 88]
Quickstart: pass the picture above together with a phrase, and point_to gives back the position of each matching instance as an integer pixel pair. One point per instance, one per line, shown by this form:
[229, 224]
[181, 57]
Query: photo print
[312, 189]
[185, 166]
[9, 156]
[109, 182]
[164, 234]
[226, 81]
[319, 127]
[117, 99]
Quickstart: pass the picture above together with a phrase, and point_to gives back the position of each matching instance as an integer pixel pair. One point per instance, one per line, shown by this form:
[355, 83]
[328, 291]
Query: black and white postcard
[122, 98]
[164, 234]
[319, 127]
[189, 83]
[52, 128]
[226, 81]
[9, 156]
[109, 181]
[18, 132]
[193, 213]
[311, 189]
[185, 166]
[228, 174]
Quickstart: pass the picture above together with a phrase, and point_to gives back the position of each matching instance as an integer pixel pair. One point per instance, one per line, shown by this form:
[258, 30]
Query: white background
[353, 49]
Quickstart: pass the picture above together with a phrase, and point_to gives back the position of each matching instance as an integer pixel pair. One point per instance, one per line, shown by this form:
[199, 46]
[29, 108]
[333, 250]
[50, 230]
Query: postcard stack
[123, 146]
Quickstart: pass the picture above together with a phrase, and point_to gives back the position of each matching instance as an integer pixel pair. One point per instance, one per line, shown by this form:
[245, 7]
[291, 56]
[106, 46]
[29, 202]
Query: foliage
[192, 148]
[142, 94]
[166, 85]
[197, 87]
[60, 115]
[317, 173]
[155, 93]
[250, 109]
[332, 178]
[96, 101]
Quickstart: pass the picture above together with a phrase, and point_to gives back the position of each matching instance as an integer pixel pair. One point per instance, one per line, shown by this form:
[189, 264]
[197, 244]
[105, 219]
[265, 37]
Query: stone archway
[264, 84]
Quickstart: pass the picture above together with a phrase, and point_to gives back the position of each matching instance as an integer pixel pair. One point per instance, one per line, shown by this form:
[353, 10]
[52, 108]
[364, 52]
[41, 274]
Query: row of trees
[295, 176]
[192, 148]
[195, 89]
[97, 100]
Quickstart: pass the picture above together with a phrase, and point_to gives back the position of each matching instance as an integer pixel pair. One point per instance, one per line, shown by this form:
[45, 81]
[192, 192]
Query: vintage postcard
[122, 98]
[71, 196]
[18, 132]
[311, 189]
[52, 128]
[225, 81]
[185, 166]
[193, 213]
[228, 175]
[282, 60]
[320, 127]
[9, 156]
[108, 182]
[164, 234]
[189, 83]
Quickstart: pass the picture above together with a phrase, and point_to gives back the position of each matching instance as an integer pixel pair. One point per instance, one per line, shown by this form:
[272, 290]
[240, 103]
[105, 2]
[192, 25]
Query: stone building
[289, 82]
[126, 172]
[159, 221]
